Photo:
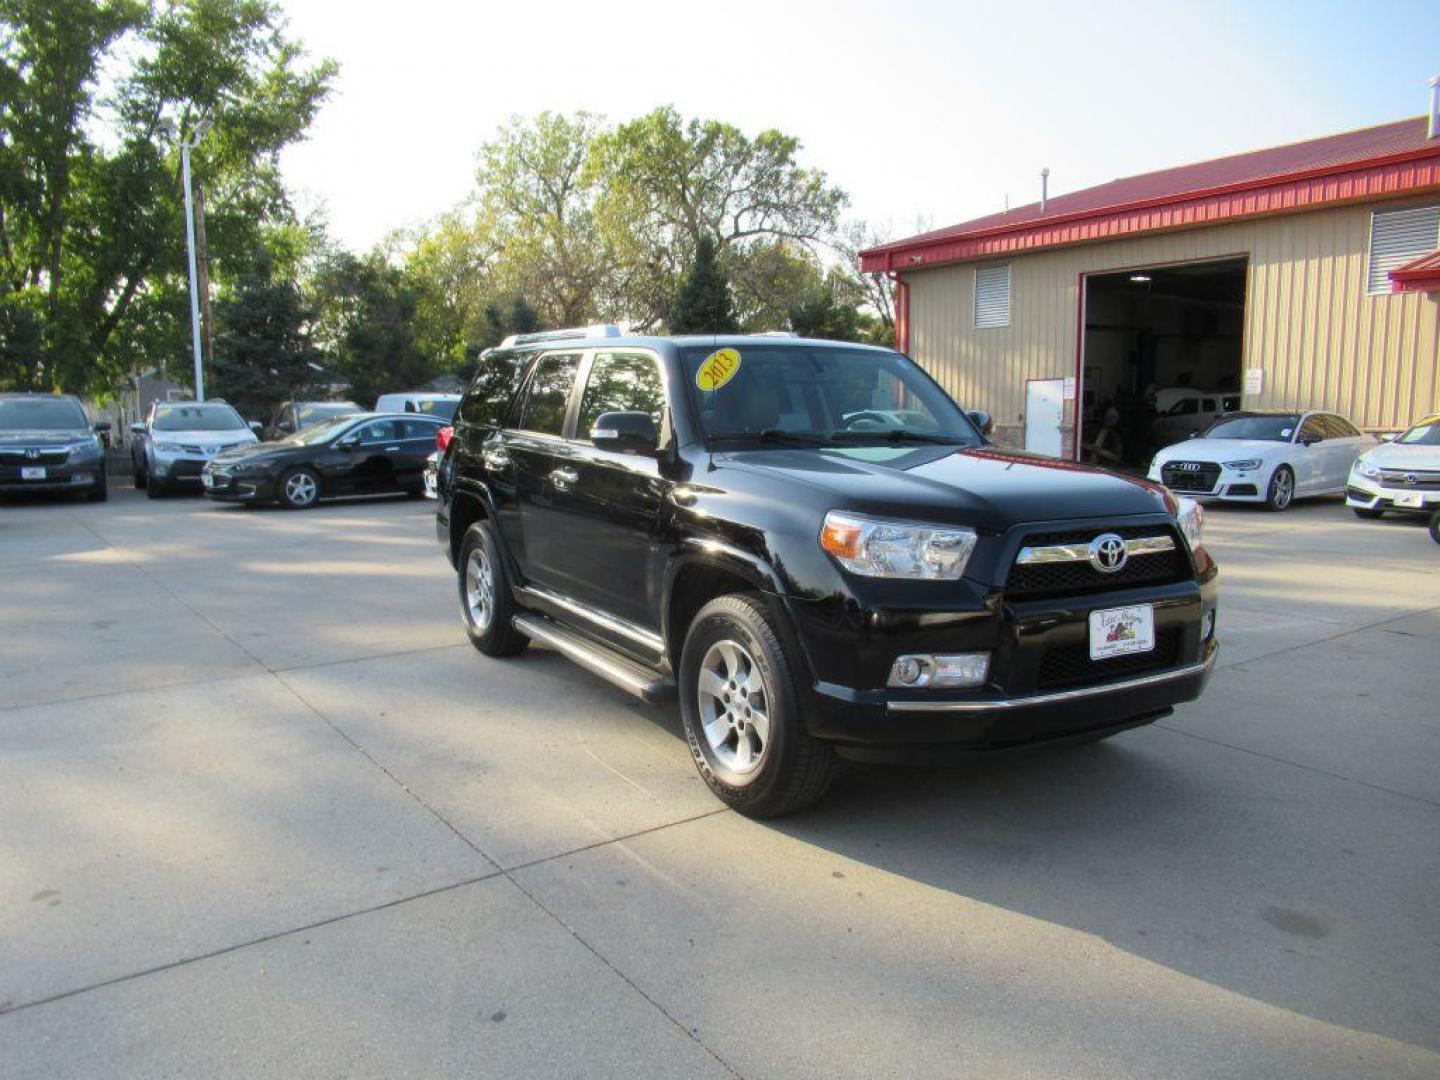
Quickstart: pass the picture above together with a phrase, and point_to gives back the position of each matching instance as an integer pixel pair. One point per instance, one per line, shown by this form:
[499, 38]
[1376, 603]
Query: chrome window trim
[1059, 553]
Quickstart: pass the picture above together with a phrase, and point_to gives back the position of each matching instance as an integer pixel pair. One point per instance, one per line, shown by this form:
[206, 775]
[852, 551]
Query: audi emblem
[1188, 466]
[1108, 553]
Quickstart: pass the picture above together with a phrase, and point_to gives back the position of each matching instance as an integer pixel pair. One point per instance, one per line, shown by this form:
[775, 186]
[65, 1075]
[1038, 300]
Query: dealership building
[1303, 276]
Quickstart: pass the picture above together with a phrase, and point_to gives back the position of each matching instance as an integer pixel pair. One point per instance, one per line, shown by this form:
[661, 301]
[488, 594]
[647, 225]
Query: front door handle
[563, 478]
[391, 449]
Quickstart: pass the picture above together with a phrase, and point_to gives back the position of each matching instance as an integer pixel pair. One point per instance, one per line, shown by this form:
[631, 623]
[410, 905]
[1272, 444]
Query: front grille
[1065, 666]
[1190, 475]
[46, 457]
[1069, 578]
[1424, 481]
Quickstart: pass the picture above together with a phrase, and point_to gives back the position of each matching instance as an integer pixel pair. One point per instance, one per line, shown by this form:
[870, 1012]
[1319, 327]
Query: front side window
[41, 414]
[205, 417]
[821, 394]
[621, 382]
[381, 431]
[1184, 407]
[548, 396]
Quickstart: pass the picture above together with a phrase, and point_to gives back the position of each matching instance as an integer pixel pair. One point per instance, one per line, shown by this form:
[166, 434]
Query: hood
[1391, 455]
[45, 438]
[232, 437]
[1219, 449]
[250, 451]
[986, 487]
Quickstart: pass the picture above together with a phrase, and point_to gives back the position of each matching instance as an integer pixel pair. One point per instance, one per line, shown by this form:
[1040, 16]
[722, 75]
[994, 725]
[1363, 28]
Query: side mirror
[1389, 436]
[1311, 440]
[102, 425]
[348, 444]
[137, 429]
[982, 420]
[256, 426]
[625, 432]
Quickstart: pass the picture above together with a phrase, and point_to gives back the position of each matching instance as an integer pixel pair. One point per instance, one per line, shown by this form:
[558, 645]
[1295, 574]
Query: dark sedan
[47, 443]
[368, 454]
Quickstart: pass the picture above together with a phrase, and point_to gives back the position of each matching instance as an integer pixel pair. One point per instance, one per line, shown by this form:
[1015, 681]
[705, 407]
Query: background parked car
[47, 443]
[295, 416]
[438, 405]
[364, 454]
[176, 440]
[1182, 412]
[1272, 458]
[1401, 475]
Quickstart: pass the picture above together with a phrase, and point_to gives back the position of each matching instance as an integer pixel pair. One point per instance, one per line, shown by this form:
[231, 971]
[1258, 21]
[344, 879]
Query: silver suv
[171, 447]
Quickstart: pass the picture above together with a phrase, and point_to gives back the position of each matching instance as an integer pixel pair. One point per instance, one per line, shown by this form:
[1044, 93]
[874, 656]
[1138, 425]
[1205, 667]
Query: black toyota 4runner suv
[814, 548]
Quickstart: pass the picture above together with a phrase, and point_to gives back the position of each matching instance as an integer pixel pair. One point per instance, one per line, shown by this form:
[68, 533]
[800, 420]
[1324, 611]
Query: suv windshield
[819, 395]
[312, 412]
[318, 433]
[1269, 428]
[41, 414]
[1423, 434]
[206, 417]
[444, 408]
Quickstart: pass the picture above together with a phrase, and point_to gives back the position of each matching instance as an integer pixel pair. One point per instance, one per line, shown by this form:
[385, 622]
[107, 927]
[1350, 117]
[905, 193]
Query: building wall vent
[992, 296]
[1397, 237]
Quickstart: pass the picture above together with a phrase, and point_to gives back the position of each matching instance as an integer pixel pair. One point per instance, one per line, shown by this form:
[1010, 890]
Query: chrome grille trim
[1057, 553]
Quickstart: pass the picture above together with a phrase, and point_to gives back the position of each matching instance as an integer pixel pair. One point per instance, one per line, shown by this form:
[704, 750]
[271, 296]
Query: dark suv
[817, 549]
[47, 443]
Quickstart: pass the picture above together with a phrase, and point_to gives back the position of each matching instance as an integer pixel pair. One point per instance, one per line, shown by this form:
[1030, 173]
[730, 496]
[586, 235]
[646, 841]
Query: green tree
[90, 206]
[666, 183]
[703, 305]
[263, 351]
[367, 318]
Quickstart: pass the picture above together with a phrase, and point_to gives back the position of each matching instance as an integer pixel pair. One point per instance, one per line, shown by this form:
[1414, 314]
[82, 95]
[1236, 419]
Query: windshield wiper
[897, 435]
[775, 435]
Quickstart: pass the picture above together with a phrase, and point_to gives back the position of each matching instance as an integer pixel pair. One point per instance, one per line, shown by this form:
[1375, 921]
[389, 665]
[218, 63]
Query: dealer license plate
[1122, 630]
[1410, 499]
[31, 473]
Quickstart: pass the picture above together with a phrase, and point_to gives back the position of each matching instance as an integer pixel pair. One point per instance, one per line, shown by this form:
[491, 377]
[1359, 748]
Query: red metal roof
[1392, 159]
[1419, 275]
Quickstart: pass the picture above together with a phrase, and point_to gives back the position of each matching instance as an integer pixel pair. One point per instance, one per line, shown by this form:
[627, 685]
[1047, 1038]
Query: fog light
[952, 670]
[1207, 626]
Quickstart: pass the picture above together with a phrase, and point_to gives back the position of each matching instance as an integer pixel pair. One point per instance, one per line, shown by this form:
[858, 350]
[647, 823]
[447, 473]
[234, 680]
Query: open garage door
[1161, 357]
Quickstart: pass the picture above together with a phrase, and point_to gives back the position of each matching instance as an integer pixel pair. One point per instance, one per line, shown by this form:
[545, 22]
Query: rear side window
[487, 402]
[1339, 428]
[1311, 429]
[548, 395]
[417, 429]
[621, 382]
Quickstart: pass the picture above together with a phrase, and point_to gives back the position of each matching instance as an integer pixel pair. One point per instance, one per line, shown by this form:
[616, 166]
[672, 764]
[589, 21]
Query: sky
[927, 114]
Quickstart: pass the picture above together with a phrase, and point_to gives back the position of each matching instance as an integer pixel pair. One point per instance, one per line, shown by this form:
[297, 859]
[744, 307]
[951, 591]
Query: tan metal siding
[1322, 341]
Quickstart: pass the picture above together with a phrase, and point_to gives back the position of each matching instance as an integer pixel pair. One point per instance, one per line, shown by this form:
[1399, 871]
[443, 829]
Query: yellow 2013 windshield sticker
[718, 369]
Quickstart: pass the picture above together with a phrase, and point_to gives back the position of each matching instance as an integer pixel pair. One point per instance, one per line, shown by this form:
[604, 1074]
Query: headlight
[1245, 465]
[81, 451]
[1190, 516]
[897, 549]
[1365, 469]
[164, 444]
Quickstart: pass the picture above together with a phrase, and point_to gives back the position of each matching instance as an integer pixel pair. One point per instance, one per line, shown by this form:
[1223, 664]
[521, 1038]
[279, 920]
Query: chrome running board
[643, 682]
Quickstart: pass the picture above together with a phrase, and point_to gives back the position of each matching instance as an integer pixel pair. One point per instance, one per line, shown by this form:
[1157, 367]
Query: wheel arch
[705, 570]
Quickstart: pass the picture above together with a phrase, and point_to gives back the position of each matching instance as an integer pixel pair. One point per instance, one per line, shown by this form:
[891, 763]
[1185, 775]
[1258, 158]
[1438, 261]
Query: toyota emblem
[1108, 553]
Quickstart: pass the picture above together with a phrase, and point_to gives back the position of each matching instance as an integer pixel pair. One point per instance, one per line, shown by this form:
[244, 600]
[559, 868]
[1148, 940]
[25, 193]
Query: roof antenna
[1044, 187]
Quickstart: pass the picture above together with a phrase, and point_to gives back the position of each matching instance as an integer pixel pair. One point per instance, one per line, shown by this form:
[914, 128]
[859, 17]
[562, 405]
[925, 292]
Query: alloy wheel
[1284, 488]
[734, 707]
[479, 589]
[301, 489]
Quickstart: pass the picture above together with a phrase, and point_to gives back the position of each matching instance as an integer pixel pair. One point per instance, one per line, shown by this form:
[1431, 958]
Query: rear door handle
[563, 478]
[391, 449]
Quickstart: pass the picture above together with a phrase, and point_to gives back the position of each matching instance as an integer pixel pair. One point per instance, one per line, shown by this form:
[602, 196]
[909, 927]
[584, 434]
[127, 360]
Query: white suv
[178, 438]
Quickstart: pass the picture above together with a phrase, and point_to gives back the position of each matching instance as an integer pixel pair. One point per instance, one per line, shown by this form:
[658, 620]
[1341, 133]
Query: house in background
[1303, 276]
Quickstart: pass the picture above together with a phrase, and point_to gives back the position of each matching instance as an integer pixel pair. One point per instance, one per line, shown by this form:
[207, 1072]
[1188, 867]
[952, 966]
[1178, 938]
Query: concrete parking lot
[263, 812]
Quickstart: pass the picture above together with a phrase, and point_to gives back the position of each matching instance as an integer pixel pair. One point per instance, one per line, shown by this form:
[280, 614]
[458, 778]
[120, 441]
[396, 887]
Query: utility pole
[202, 256]
[185, 147]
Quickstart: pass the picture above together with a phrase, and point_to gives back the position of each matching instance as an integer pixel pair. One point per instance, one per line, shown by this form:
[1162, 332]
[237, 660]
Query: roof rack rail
[774, 333]
[601, 330]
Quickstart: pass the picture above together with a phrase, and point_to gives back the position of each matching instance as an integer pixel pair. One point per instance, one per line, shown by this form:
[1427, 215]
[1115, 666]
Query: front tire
[486, 603]
[1281, 491]
[138, 475]
[1435, 526]
[741, 712]
[101, 491]
[299, 489]
[154, 489]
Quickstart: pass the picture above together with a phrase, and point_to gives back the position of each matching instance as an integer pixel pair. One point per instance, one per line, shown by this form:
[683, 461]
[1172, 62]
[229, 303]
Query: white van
[419, 401]
[1184, 410]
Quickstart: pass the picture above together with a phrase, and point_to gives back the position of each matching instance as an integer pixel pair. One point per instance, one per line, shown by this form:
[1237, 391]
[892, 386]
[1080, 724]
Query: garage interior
[1150, 334]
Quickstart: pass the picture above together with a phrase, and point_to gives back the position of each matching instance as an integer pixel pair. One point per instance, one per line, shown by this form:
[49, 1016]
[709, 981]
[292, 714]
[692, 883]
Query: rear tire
[1368, 515]
[1281, 491]
[757, 759]
[155, 489]
[486, 603]
[137, 474]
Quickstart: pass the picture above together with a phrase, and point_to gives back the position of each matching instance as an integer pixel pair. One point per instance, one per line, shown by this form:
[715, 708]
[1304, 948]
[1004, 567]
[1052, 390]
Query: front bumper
[1231, 485]
[1363, 493]
[227, 486]
[67, 476]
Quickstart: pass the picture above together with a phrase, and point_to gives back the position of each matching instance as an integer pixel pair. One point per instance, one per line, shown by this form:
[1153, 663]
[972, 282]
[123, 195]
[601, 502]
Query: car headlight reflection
[1190, 516]
[897, 549]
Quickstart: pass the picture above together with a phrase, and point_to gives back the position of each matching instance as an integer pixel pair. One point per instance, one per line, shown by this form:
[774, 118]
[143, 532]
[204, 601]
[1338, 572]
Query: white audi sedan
[1261, 457]
[1403, 475]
